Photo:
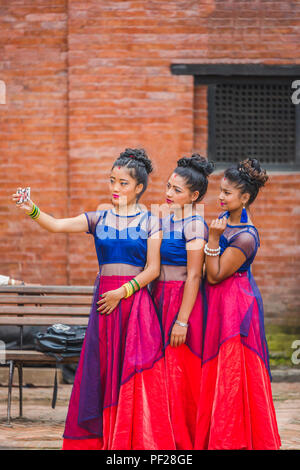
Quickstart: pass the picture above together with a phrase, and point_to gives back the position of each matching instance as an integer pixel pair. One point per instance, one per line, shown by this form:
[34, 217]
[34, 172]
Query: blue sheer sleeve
[93, 219]
[195, 227]
[154, 225]
[246, 242]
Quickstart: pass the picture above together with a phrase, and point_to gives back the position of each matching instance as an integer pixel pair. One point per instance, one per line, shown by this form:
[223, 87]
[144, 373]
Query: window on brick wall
[249, 118]
[248, 112]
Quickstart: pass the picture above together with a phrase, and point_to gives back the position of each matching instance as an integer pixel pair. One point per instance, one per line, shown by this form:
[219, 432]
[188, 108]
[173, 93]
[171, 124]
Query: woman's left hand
[178, 335]
[109, 301]
[217, 227]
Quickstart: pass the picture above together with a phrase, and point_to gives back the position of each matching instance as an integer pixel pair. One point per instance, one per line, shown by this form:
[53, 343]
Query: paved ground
[42, 427]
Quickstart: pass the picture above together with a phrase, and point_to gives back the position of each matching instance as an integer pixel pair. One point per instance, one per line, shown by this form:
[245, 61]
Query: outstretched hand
[26, 206]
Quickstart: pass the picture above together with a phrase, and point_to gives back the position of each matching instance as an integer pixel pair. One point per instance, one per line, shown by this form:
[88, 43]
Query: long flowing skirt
[235, 409]
[183, 363]
[119, 396]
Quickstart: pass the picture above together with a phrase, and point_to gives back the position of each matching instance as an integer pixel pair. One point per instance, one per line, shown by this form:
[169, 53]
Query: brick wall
[33, 136]
[86, 79]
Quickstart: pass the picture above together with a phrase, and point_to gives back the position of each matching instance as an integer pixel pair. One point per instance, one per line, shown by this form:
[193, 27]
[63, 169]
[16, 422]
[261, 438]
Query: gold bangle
[132, 285]
[129, 289]
[36, 216]
[35, 212]
[32, 210]
[126, 290]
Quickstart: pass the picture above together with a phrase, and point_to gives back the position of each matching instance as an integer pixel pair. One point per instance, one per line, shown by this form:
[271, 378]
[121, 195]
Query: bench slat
[33, 310]
[45, 299]
[33, 357]
[34, 321]
[48, 289]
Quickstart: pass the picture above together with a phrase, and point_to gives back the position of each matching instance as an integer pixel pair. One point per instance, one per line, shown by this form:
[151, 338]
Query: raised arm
[219, 268]
[46, 221]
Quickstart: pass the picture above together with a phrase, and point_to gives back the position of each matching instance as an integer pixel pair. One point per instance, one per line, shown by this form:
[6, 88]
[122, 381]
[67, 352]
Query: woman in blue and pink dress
[235, 409]
[119, 398]
[177, 293]
[119, 394]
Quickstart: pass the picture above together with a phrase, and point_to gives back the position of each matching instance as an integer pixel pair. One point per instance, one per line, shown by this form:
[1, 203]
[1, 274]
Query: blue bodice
[244, 237]
[122, 239]
[176, 233]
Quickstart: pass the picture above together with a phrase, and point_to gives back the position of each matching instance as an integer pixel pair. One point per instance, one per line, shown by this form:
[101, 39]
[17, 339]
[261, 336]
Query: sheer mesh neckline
[226, 214]
[184, 218]
[119, 215]
[242, 225]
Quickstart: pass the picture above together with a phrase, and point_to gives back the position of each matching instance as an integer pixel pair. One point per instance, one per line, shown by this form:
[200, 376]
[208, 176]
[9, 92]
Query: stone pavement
[42, 427]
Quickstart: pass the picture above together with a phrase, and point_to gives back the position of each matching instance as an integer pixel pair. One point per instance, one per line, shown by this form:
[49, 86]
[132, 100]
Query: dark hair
[248, 176]
[195, 171]
[138, 164]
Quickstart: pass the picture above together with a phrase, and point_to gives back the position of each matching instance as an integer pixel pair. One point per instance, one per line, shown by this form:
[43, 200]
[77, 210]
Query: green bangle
[36, 216]
[132, 285]
[35, 212]
[136, 283]
[32, 210]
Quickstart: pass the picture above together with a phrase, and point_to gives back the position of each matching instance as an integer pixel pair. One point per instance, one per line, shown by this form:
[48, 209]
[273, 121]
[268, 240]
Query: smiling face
[230, 196]
[123, 187]
[178, 193]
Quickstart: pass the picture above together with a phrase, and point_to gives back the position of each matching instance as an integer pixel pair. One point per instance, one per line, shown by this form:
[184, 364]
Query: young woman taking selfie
[119, 396]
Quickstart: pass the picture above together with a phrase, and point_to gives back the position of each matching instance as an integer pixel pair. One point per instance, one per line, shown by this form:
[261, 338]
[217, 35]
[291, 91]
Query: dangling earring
[244, 216]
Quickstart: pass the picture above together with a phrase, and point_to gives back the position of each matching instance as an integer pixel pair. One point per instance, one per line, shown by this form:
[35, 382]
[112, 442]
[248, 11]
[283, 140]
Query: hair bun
[198, 163]
[139, 155]
[252, 172]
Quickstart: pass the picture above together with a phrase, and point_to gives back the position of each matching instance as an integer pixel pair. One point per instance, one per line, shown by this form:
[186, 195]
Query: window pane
[252, 119]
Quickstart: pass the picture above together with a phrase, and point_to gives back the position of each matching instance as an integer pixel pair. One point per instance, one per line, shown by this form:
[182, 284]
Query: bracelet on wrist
[212, 251]
[35, 212]
[131, 287]
[181, 323]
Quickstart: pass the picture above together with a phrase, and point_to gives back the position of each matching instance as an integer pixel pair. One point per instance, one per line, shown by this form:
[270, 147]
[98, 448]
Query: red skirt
[235, 408]
[119, 397]
[183, 363]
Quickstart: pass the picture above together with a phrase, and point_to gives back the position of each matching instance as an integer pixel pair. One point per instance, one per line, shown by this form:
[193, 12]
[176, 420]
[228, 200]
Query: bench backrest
[45, 305]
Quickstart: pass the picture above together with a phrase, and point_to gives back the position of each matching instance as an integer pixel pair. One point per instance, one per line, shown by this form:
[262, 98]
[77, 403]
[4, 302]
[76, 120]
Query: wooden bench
[39, 306]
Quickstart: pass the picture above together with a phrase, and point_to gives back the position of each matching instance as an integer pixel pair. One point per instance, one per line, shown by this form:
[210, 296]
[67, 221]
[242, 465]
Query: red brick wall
[86, 79]
[33, 135]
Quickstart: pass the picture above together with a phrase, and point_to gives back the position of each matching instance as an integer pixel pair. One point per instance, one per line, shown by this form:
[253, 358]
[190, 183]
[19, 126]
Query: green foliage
[280, 339]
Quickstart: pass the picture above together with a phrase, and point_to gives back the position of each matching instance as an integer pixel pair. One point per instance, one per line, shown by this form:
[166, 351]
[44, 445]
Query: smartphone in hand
[24, 195]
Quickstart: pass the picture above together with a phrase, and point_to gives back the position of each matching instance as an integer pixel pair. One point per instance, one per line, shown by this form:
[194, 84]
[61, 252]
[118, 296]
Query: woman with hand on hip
[235, 408]
[177, 292]
[118, 399]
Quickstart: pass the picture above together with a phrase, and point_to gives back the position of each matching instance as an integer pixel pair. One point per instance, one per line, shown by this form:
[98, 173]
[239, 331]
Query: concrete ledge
[285, 374]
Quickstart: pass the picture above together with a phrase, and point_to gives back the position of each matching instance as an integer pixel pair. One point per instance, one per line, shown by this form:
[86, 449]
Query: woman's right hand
[26, 206]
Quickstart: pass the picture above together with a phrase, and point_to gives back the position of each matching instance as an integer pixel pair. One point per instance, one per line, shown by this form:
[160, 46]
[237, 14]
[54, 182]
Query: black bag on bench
[60, 341]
